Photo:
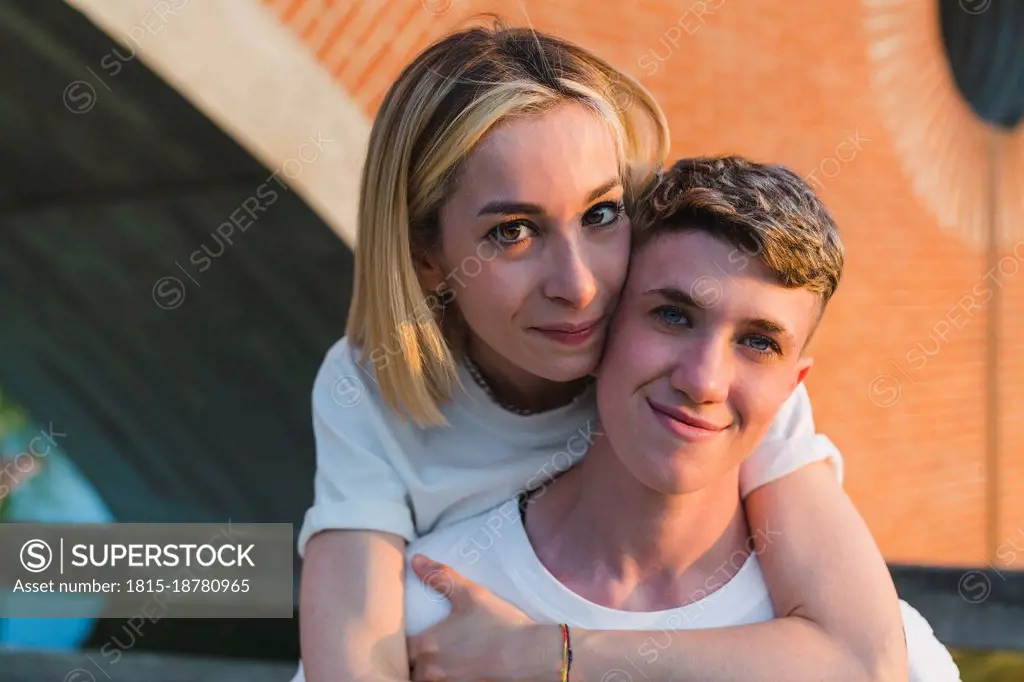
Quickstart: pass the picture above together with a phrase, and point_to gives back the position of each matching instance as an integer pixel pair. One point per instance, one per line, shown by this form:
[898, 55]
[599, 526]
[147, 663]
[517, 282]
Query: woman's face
[535, 245]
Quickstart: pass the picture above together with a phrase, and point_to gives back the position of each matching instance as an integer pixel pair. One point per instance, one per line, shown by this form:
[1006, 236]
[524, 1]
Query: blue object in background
[58, 494]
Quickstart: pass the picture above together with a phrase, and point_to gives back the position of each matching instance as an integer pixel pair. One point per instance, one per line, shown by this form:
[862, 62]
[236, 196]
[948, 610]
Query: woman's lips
[571, 335]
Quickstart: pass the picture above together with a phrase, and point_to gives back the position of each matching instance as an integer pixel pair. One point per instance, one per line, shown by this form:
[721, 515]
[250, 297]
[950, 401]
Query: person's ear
[803, 366]
[430, 270]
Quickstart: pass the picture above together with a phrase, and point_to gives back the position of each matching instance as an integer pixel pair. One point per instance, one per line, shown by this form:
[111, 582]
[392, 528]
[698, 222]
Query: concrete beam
[250, 76]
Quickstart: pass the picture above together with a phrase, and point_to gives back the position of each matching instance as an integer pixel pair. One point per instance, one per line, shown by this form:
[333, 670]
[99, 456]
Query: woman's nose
[571, 279]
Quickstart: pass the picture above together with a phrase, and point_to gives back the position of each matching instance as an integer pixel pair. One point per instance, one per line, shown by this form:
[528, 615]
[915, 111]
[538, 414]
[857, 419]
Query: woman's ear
[430, 269]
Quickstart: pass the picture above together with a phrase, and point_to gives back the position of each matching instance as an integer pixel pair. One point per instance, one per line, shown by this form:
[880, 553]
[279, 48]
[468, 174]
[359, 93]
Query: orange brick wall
[1009, 527]
[790, 82]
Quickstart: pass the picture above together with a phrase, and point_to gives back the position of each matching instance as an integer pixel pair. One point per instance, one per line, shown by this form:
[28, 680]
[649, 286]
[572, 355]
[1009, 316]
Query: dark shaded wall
[182, 399]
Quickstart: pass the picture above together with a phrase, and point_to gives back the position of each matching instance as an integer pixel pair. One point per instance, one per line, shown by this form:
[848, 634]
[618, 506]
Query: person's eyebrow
[768, 326]
[506, 207]
[674, 295]
[764, 324]
[604, 189]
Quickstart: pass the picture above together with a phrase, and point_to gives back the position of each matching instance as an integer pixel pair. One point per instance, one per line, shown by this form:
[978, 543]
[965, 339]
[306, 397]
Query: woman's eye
[671, 316]
[603, 214]
[509, 234]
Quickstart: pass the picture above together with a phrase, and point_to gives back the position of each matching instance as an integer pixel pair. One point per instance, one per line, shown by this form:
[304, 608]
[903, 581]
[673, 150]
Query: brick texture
[902, 358]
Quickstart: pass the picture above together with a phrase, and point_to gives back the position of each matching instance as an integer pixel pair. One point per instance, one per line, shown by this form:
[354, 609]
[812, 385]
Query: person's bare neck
[614, 541]
[518, 388]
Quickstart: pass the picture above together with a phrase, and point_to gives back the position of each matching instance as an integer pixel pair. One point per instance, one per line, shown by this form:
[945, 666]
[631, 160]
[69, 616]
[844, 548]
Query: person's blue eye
[604, 214]
[762, 345]
[671, 315]
[512, 233]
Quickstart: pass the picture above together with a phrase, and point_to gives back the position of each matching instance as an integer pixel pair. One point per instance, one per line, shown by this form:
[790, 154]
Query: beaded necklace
[479, 380]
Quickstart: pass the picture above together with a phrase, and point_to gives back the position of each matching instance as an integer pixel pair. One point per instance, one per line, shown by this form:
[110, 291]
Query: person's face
[535, 243]
[703, 351]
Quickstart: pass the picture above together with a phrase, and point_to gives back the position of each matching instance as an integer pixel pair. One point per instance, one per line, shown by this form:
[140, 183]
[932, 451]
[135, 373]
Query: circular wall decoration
[949, 81]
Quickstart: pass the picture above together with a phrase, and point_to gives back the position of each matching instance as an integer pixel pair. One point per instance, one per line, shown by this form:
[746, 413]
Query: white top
[378, 472]
[493, 550]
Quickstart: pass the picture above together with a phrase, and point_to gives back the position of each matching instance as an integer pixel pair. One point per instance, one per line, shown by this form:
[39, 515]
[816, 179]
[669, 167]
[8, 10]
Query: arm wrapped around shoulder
[790, 445]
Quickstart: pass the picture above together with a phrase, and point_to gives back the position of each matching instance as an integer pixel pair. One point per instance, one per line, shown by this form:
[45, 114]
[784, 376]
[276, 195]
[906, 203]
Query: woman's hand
[483, 639]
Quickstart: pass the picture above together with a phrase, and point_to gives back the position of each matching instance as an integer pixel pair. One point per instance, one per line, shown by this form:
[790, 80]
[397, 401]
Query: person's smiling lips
[683, 424]
[571, 334]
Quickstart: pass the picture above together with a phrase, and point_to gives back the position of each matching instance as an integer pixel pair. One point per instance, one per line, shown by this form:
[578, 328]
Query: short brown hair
[766, 210]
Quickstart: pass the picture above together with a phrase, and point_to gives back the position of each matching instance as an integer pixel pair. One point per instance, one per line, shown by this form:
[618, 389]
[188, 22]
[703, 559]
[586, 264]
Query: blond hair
[440, 107]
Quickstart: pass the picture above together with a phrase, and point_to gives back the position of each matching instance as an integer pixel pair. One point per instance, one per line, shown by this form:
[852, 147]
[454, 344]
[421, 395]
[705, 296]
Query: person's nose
[705, 370]
[571, 278]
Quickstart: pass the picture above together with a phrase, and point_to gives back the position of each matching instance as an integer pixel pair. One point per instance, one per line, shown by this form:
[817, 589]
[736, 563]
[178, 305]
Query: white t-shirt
[376, 471]
[493, 550]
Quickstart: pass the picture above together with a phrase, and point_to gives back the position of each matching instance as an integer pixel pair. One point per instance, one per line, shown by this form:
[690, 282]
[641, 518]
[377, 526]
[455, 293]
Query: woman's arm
[824, 567]
[351, 604]
[819, 561]
[353, 537]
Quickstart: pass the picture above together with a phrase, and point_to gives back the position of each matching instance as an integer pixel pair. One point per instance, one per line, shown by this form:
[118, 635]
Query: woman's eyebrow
[604, 189]
[505, 207]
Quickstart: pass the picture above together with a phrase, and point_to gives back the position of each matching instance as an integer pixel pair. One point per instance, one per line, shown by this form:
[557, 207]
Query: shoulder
[795, 418]
[472, 546]
[469, 545]
[345, 390]
[928, 659]
[340, 373]
[741, 600]
[747, 594]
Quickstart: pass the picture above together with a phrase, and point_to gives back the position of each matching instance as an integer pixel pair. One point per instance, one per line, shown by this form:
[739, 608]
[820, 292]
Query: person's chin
[565, 365]
[683, 466]
[685, 477]
[565, 370]
[672, 477]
